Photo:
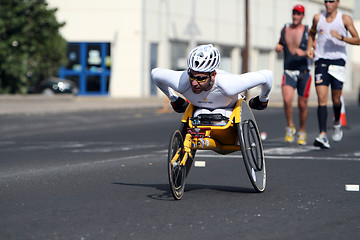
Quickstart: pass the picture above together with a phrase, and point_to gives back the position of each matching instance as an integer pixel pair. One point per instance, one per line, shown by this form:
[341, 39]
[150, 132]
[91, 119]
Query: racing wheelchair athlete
[216, 117]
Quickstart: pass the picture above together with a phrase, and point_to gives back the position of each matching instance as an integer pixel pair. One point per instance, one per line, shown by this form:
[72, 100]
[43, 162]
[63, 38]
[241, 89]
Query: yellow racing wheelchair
[219, 133]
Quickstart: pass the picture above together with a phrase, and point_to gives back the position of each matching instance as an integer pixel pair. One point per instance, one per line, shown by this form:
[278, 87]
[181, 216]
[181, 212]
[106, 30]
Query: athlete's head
[331, 5]
[202, 62]
[300, 8]
[298, 13]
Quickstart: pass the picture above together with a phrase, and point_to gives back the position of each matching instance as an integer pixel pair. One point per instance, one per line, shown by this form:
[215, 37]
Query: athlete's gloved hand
[179, 105]
[255, 103]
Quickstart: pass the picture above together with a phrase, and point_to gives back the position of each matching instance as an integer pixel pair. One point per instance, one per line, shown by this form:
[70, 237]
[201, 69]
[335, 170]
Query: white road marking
[286, 157]
[199, 163]
[285, 153]
[288, 150]
[352, 188]
[278, 153]
[68, 168]
[338, 158]
[76, 147]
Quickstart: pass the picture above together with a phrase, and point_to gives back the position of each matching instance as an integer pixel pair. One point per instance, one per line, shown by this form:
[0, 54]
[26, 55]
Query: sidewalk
[40, 104]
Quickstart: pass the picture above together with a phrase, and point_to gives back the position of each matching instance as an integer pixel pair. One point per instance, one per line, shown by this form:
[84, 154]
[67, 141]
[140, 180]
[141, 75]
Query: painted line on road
[342, 158]
[200, 164]
[68, 168]
[54, 170]
[351, 188]
[288, 150]
[289, 157]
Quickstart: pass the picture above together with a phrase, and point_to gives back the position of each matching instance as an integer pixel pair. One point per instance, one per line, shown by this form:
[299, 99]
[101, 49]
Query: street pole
[193, 30]
[245, 51]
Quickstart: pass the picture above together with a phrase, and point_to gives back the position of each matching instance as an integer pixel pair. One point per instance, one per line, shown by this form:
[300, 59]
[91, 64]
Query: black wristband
[179, 105]
[342, 38]
[256, 104]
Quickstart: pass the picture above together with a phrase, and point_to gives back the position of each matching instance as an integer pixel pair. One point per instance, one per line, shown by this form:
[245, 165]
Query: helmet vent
[204, 58]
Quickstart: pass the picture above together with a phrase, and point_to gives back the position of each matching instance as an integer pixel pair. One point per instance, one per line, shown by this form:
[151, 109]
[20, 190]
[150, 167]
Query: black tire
[176, 172]
[48, 92]
[252, 149]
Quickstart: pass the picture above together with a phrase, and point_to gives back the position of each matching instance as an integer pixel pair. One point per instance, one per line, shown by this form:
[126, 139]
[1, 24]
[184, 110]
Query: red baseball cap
[299, 8]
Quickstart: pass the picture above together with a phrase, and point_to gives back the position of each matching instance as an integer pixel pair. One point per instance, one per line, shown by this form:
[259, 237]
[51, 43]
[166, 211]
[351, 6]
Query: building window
[89, 65]
[153, 64]
[179, 52]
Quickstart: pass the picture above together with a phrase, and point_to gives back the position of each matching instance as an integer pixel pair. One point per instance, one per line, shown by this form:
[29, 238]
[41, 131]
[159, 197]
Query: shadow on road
[166, 194]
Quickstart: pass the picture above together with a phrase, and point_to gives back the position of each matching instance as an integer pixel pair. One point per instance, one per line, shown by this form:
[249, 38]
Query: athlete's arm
[168, 80]
[311, 39]
[232, 84]
[349, 25]
[280, 45]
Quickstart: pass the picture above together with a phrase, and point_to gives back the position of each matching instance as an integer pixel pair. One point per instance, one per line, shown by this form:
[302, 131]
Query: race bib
[337, 72]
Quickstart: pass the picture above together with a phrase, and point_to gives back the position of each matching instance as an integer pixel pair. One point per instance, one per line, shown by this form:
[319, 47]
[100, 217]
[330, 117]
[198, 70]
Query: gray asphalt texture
[63, 103]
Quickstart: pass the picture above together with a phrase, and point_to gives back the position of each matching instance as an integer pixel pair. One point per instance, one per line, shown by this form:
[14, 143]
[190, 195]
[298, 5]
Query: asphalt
[62, 103]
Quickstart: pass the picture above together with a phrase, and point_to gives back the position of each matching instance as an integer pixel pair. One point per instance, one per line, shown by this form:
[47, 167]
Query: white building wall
[117, 22]
[131, 26]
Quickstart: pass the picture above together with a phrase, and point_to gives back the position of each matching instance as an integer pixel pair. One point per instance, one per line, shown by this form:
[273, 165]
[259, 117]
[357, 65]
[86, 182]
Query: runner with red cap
[293, 42]
[300, 8]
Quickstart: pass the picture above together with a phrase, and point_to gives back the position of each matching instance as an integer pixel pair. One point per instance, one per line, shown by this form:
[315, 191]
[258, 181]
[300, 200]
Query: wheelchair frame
[240, 133]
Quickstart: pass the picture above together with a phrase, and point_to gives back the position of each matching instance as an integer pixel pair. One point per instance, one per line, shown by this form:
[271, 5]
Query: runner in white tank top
[206, 87]
[328, 47]
[330, 58]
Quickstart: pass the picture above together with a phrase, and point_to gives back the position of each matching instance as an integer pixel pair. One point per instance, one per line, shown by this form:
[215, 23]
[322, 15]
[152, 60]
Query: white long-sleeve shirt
[223, 94]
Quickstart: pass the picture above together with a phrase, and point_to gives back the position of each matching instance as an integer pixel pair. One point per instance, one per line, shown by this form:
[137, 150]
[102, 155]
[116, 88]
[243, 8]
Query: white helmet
[204, 58]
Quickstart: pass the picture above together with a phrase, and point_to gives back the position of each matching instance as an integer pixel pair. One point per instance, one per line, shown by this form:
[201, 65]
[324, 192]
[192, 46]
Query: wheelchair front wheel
[176, 172]
[252, 149]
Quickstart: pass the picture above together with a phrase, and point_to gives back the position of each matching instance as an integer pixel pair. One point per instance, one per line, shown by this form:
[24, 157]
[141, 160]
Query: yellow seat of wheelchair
[225, 137]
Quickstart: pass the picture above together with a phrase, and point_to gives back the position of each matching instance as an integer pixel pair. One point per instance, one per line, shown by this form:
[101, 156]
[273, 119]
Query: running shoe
[289, 134]
[301, 139]
[322, 141]
[338, 133]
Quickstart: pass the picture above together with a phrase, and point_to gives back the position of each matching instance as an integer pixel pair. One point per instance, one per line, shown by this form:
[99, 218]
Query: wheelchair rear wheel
[251, 148]
[176, 172]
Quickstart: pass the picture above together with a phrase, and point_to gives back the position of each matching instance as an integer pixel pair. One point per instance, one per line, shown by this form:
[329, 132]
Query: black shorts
[322, 77]
[300, 80]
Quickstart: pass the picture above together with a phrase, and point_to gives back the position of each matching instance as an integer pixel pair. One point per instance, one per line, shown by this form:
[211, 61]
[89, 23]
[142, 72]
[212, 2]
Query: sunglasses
[198, 78]
[329, 1]
[295, 12]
